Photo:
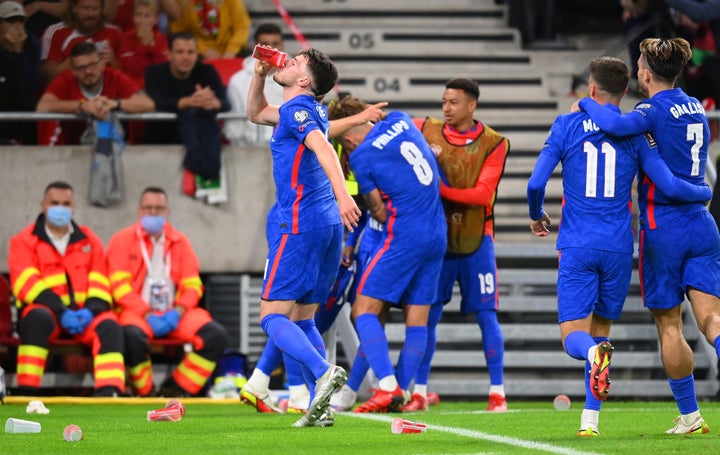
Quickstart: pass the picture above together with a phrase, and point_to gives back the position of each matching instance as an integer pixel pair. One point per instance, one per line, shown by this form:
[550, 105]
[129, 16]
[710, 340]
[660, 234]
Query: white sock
[259, 381]
[589, 418]
[388, 383]
[690, 418]
[499, 389]
[299, 396]
[591, 354]
[420, 389]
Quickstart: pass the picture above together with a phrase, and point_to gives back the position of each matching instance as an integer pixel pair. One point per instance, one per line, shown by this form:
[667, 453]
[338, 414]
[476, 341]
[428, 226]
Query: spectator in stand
[89, 87]
[245, 132]
[84, 22]
[59, 277]
[221, 29]
[122, 12]
[41, 14]
[143, 45]
[154, 277]
[19, 73]
[193, 90]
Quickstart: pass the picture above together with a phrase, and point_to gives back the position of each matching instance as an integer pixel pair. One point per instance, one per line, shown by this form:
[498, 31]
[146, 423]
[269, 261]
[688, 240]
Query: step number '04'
[591, 169]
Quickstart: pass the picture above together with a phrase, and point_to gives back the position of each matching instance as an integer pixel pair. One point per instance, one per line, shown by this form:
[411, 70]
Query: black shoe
[171, 389]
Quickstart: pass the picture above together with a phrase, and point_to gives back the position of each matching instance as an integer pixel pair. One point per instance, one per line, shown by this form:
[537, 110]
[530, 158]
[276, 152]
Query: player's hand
[346, 257]
[539, 228]
[349, 212]
[373, 113]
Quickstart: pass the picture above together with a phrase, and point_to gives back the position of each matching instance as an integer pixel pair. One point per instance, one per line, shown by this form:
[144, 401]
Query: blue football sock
[293, 371]
[683, 390]
[411, 354]
[359, 370]
[717, 345]
[578, 343]
[270, 358]
[375, 344]
[291, 340]
[423, 371]
[493, 344]
[590, 401]
[308, 326]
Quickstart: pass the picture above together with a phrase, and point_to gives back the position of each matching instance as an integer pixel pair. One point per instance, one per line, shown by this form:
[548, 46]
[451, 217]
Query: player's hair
[665, 58]
[155, 190]
[345, 107]
[468, 86]
[610, 74]
[152, 4]
[322, 70]
[267, 28]
[83, 48]
[58, 185]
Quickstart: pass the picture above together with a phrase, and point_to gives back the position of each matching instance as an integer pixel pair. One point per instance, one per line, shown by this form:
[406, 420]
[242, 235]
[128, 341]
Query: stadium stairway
[403, 53]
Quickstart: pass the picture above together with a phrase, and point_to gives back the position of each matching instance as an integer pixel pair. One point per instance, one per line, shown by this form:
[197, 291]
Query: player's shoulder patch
[301, 115]
[321, 111]
[643, 106]
[650, 140]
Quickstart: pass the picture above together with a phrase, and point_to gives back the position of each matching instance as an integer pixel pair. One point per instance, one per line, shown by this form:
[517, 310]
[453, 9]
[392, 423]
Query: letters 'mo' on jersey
[395, 159]
[679, 125]
[598, 171]
[305, 200]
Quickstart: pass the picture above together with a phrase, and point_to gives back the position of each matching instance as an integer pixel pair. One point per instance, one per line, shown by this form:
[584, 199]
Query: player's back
[598, 172]
[680, 127]
[395, 159]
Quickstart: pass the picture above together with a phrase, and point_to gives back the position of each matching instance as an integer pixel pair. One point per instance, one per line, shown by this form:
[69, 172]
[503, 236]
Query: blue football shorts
[592, 281]
[679, 255]
[302, 267]
[476, 273]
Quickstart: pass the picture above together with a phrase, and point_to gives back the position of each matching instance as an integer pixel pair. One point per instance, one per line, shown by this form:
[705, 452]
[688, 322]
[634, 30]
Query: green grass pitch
[227, 427]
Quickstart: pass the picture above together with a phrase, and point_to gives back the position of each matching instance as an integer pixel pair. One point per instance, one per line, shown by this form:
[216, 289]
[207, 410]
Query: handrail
[26, 116]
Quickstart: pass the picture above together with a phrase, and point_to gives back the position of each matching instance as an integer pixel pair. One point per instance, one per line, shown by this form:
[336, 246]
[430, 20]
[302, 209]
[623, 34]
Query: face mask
[59, 216]
[152, 224]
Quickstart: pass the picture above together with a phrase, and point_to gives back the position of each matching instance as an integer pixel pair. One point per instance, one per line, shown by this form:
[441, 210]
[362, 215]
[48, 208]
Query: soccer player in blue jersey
[595, 240]
[398, 178]
[305, 226]
[679, 242]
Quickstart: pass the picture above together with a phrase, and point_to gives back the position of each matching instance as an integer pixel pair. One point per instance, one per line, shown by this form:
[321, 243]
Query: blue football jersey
[305, 200]
[395, 159]
[679, 125]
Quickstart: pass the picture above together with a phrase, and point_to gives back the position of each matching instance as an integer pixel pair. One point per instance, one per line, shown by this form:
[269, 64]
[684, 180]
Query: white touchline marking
[480, 435]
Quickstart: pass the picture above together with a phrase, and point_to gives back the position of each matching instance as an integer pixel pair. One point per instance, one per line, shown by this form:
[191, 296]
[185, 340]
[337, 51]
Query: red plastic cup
[272, 56]
[400, 426]
[171, 414]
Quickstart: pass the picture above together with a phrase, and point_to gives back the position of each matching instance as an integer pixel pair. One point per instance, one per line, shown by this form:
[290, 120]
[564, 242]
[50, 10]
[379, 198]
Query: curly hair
[666, 58]
[345, 107]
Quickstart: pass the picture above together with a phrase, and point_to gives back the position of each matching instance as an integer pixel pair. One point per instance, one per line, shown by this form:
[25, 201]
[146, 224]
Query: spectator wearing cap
[19, 73]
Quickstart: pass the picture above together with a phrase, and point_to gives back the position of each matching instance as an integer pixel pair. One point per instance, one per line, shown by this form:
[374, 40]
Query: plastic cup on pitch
[21, 426]
[400, 426]
[172, 414]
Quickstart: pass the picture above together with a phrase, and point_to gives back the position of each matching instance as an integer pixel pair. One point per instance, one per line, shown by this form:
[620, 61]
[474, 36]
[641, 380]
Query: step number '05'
[591, 169]
[415, 158]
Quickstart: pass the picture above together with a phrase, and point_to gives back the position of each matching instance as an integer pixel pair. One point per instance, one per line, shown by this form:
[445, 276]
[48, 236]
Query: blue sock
[411, 354]
[311, 331]
[291, 340]
[717, 345]
[578, 343]
[293, 371]
[493, 344]
[375, 344]
[359, 370]
[270, 358]
[423, 371]
[684, 392]
[591, 402]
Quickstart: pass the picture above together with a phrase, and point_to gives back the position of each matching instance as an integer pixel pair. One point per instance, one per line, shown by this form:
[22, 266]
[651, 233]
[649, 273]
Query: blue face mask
[152, 224]
[59, 215]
